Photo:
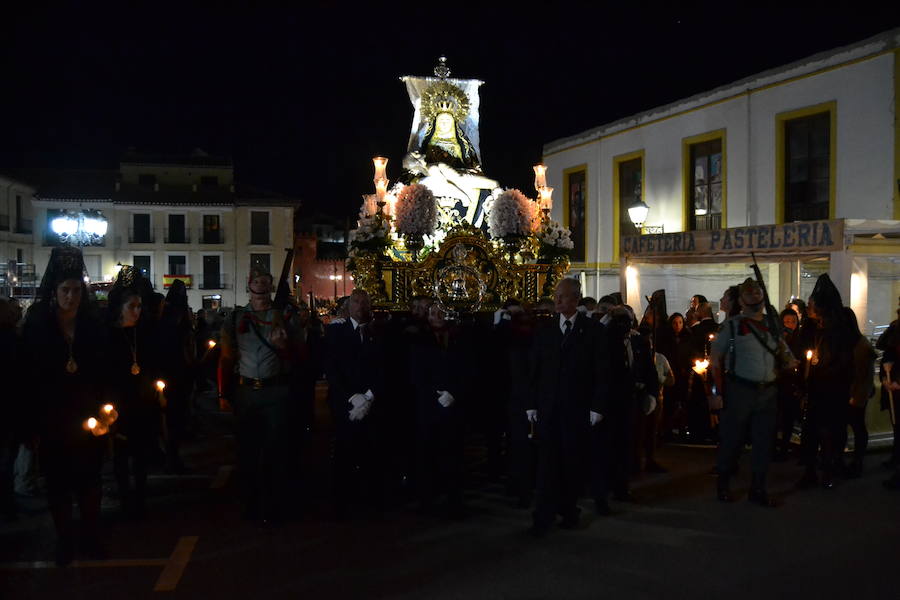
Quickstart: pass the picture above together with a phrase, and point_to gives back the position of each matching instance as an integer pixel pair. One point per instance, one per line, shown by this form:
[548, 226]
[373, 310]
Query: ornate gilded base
[466, 250]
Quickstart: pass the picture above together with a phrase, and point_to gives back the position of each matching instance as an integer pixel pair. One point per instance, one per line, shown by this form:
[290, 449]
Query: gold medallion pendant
[135, 369]
[71, 367]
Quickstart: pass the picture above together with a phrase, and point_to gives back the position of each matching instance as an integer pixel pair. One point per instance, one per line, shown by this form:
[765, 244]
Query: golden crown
[444, 97]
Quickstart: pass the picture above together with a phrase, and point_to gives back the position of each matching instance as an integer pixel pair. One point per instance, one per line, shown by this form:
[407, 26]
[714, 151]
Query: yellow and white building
[816, 140]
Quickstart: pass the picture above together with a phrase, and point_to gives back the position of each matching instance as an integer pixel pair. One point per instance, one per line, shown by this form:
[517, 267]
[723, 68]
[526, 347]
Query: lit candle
[211, 344]
[381, 188]
[91, 424]
[109, 414]
[160, 396]
[700, 366]
[809, 355]
[540, 176]
[546, 198]
[380, 167]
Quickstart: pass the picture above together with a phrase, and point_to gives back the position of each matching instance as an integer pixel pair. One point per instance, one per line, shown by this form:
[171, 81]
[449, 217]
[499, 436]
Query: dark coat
[351, 367]
[568, 378]
[434, 367]
[627, 385]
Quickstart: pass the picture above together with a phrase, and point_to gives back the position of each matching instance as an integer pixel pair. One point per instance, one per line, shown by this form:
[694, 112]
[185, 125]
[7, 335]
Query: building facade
[17, 274]
[816, 140]
[172, 217]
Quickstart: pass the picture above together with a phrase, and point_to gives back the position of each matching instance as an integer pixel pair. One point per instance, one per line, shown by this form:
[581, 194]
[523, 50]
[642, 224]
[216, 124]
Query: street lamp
[637, 212]
[81, 228]
[335, 278]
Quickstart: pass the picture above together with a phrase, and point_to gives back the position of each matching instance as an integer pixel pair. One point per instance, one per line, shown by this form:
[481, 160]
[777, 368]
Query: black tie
[362, 332]
[568, 327]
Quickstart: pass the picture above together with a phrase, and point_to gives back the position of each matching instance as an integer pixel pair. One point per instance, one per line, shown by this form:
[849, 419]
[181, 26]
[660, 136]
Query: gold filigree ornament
[444, 97]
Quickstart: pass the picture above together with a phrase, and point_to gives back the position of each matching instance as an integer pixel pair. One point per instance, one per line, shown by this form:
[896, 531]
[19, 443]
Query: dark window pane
[807, 161]
[142, 263]
[177, 265]
[141, 231]
[260, 261]
[177, 233]
[259, 227]
[629, 193]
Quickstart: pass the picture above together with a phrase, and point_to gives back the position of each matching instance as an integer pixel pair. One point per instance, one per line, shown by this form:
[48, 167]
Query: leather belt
[258, 384]
[757, 385]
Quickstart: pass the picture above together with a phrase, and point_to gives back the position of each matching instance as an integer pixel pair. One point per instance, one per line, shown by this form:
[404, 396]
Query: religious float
[446, 230]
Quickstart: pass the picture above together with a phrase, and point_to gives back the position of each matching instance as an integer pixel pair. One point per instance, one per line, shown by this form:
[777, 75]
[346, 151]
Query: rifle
[772, 319]
[283, 291]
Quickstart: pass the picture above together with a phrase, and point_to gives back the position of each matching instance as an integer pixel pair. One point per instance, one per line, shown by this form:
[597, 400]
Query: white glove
[532, 415]
[357, 400]
[649, 404]
[499, 314]
[595, 418]
[445, 399]
[359, 413]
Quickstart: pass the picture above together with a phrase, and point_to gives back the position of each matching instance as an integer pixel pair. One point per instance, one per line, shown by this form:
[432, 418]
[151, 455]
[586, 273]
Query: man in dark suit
[442, 361]
[568, 371]
[353, 370]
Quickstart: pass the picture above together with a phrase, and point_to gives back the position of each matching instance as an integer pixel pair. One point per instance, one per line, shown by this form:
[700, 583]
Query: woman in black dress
[63, 348]
[132, 376]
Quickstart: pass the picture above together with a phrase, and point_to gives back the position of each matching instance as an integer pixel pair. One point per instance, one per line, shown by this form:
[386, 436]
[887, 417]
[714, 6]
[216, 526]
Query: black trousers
[260, 416]
[521, 455]
[824, 434]
[439, 453]
[357, 465]
[752, 408]
[856, 419]
[559, 473]
[613, 452]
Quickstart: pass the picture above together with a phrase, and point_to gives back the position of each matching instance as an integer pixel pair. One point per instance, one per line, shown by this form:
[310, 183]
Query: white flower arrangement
[554, 235]
[371, 233]
[512, 214]
[416, 211]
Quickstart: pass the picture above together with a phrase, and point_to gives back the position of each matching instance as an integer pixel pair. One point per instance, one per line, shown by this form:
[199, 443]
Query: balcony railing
[212, 281]
[212, 236]
[181, 235]
[707, 222]
[141, 236]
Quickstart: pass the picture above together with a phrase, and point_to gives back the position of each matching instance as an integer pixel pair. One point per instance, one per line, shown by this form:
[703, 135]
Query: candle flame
[160, 385]
[107, 408]
[212, 343]
[700, 366]
[809, 355]
[92, 423]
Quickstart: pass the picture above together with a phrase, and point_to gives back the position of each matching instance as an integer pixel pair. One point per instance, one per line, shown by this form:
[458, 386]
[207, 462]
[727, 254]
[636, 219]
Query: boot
[758, 493]
[723, 493]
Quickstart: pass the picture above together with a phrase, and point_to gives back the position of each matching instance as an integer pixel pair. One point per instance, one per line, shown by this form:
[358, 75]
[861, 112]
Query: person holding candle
[64, 354]
[260, 343]
[744, 360]
[132, 370]
[790, 386]
[832, 339]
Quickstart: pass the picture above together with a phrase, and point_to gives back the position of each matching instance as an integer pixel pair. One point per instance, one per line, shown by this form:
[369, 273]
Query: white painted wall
[864, 94]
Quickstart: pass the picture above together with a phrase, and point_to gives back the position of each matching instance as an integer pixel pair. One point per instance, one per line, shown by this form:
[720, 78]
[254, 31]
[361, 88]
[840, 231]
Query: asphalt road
[677, 542]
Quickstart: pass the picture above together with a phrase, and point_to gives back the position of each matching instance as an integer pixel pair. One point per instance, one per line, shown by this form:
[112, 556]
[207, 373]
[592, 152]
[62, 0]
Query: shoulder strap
[731, 348]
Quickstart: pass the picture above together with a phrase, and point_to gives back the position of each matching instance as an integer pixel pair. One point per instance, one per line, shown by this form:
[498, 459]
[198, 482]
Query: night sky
[302, 99]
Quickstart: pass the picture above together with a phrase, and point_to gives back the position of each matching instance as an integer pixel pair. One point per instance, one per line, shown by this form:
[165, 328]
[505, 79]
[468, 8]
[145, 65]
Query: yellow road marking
[176, 564]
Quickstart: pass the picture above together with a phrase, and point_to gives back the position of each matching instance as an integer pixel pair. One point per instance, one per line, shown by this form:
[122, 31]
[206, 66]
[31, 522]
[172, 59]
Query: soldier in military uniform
[261, 341]
[744, 360]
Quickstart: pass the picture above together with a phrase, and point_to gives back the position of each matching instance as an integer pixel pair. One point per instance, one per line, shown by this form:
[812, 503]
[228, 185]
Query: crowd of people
[569, 398]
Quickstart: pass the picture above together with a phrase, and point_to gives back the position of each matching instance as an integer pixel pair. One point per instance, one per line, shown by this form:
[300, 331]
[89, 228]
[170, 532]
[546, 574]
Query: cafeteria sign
[789, 238]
